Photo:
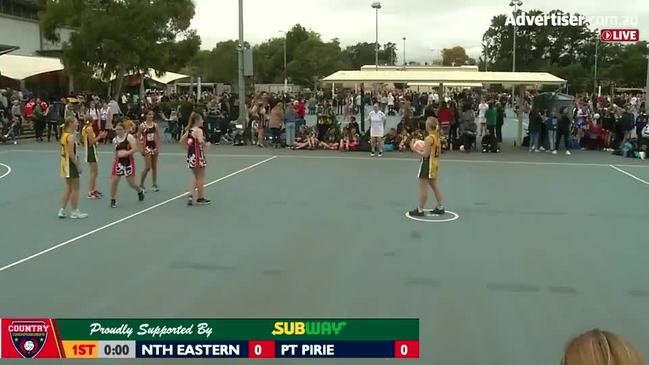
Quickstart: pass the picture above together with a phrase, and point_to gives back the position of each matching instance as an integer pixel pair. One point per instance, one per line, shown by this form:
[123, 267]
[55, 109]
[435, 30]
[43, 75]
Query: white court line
[9, 266]
[311, 157]
[8, 170]
[630, 175]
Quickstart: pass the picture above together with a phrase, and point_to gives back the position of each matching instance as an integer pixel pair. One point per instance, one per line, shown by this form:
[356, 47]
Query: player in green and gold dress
[428, 169]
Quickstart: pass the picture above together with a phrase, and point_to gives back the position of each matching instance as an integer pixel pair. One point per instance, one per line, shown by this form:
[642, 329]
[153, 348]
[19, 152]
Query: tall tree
[456, 56]
[117, 37]
[315, 60]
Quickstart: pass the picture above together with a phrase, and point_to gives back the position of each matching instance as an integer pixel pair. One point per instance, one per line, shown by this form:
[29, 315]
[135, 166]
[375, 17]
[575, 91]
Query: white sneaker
[78, 215]
[541, 149]
[568, 153]
[62, 214]
[372, 154]
[538, 151]
[554, 152]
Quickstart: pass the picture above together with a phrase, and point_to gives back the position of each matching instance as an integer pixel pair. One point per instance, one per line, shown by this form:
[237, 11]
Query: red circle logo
[607, 35]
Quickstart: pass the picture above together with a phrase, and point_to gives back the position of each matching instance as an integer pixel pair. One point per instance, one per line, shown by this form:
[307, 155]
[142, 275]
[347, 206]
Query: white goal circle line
[454, 218]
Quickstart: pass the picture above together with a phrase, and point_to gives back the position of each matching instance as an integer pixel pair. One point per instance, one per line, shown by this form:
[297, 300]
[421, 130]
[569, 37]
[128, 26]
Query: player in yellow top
[89, 140]
[428, 169]
[70, 169]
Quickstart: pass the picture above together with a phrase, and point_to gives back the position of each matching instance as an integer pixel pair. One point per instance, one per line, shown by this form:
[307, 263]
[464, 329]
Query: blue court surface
[544, 247]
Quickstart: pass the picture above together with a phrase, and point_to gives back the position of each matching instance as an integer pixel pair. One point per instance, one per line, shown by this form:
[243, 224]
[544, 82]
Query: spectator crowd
[470, 120]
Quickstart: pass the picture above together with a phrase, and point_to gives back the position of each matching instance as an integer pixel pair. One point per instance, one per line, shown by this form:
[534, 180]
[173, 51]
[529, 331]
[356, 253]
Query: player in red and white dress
[194, 139]
[149, 135]
[124, 165]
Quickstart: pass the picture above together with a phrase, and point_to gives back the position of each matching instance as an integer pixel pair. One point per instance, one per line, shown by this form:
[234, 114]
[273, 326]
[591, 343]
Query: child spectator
[489, 142]
[391, 138]
[304, 139]
[331, 139]
[404, 139]
[12, 131]
[349, 141]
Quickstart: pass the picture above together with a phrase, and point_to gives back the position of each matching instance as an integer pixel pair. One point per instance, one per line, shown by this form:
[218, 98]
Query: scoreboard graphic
[46, 338]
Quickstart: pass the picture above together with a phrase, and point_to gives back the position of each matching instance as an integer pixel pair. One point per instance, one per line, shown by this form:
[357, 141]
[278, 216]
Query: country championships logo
[28, 337]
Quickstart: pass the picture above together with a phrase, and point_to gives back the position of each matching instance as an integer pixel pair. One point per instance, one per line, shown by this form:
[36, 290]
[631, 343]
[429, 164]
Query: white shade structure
[444, 77]
[23, 67]
[167, 77]
[448, 84]
[421, 68]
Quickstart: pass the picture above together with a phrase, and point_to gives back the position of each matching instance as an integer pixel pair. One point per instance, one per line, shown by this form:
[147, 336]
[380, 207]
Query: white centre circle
[8, 170]
[453, 217]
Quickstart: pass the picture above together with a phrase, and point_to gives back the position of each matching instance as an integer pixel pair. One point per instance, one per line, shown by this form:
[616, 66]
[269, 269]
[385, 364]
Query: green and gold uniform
[429, 165]
[90, 149]
[68, 168]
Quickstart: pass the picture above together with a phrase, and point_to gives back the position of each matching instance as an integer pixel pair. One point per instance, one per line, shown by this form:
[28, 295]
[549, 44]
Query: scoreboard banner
[46, 338]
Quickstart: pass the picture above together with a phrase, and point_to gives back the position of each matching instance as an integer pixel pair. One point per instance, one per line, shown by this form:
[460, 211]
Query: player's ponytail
[194, 118]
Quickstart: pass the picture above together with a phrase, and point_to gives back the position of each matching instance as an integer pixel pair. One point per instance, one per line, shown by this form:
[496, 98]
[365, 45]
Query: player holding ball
[429, 149]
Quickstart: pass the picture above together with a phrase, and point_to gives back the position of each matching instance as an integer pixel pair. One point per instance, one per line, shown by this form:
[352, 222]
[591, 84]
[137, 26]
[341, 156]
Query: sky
[427, 25]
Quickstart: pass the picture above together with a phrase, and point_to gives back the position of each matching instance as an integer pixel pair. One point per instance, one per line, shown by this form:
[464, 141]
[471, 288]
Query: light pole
[376, 6]
[515, 4]
[646, 95]
[596, 62]
[243, 112]
[404, 53]
[285, 74]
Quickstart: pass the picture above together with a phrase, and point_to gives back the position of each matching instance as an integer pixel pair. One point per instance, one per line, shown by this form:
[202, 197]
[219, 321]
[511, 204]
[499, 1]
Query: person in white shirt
[384, 102]
[431, 99]
[482, 115]
[377, 122]
[390, 102]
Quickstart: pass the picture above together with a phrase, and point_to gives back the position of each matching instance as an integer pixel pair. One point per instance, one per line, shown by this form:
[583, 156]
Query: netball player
[124, 165]
[194, 139]
[428, 169]
[377, 121]
[149, 134]
[70, 169]
[90, 144]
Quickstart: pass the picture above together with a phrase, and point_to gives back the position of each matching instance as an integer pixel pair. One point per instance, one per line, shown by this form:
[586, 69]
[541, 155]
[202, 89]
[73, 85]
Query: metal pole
[404, 52]
[521, 102]
[514, 52]
[596, 61]
[243, 111]
[285, 74]
[376, 46]
[646, 95]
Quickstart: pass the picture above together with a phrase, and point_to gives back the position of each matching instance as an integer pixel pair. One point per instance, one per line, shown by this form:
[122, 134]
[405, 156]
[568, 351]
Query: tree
[388, 54]
[117, 37]
[456, 56]
[315, 60]
[364, 53]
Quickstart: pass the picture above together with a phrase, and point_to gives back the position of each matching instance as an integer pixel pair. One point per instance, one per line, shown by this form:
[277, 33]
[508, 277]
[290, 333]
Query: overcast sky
[427, 24]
